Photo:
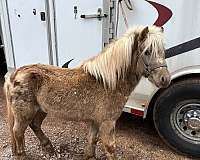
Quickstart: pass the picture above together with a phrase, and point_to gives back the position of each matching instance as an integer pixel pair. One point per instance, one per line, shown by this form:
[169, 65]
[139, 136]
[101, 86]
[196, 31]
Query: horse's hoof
[109, 156]
[47, 146]
[92, 158]
[19, 154]
[88, 157]
[89, 153]
[20, 157]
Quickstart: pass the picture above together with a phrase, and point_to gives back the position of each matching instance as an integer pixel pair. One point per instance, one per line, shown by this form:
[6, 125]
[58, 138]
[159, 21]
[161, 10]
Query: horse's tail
[10, 115]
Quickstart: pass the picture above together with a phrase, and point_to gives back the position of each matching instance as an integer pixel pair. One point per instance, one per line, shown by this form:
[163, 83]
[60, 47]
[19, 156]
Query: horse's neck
[127, 85]
[131, 78]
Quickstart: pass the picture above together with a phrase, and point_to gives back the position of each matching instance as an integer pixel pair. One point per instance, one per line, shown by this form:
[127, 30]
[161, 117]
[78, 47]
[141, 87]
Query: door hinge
[112, 3]
[111, 31]
[112, 20]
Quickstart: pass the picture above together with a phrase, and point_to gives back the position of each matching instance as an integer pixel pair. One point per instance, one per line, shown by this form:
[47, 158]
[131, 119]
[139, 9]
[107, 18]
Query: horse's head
[151, 56]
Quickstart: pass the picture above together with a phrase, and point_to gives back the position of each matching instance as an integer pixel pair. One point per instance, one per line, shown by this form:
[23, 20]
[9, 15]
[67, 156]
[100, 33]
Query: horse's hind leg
[18, 132]
[23, 114]
[11, 125]
[35, 125]
[92, 140]
[107, 135]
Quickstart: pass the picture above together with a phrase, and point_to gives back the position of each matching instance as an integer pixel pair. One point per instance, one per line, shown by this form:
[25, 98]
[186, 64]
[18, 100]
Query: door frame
[6, 36]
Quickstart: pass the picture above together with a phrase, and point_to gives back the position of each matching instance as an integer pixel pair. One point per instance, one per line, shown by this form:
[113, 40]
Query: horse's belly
[69, 104]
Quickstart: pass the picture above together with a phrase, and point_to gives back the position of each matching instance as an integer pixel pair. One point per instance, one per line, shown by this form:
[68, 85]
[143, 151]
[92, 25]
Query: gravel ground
[136, 140]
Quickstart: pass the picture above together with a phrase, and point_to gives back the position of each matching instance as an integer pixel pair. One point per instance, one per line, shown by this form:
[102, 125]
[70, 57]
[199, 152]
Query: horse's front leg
[107, 135]
[92, 140]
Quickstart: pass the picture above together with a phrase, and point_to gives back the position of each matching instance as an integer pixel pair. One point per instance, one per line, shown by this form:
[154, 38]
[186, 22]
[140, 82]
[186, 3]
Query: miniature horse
[94, 92]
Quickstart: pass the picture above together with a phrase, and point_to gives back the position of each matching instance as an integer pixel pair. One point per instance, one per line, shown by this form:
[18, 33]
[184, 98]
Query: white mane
[112, 63]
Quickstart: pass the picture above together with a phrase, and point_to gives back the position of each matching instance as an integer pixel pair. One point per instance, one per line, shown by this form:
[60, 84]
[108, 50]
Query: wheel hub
[192, 119]
[186, 119]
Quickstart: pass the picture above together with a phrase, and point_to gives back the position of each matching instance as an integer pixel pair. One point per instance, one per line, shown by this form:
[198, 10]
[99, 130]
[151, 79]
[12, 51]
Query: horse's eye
[147, 53]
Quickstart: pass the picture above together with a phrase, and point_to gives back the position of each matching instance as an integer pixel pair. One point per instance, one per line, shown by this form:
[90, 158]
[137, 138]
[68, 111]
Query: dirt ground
[136, 140]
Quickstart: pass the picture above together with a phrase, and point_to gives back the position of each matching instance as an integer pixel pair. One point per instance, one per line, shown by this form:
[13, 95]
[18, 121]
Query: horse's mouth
[160, 83]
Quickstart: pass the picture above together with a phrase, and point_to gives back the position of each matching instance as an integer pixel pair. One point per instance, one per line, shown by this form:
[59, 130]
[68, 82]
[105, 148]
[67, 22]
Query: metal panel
[29, 32]
[77, 38]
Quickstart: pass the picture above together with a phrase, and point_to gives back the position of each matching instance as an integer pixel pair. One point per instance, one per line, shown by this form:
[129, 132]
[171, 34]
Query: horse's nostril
[163, 79]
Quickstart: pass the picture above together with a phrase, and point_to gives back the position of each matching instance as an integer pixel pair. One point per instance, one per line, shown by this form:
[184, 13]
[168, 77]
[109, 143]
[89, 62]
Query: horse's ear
[134, 45]
[143, 34]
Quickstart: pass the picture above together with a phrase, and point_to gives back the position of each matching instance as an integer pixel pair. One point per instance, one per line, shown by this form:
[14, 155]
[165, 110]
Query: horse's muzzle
[160, 77]
[165, 81]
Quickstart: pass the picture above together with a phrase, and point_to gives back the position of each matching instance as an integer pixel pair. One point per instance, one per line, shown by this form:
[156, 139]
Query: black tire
[178, 101]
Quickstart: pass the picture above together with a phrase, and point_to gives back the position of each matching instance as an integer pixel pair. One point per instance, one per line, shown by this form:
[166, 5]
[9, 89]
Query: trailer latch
[42, 16]
[99, 15]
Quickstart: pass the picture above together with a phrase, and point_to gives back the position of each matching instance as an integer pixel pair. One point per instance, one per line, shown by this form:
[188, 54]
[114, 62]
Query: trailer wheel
[177, 116]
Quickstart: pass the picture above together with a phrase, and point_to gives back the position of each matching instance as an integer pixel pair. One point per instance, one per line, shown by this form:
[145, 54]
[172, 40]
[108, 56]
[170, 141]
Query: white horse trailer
[54, 32]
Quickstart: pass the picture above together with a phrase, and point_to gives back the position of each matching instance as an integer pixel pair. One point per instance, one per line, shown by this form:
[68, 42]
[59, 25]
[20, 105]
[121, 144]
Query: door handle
[99, 15]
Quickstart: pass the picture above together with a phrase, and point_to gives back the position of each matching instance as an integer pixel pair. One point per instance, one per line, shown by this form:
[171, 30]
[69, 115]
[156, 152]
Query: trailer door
[77, 38]
[28, 31]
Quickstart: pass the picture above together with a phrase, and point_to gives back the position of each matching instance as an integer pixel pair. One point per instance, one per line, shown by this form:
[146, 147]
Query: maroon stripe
[164, 13]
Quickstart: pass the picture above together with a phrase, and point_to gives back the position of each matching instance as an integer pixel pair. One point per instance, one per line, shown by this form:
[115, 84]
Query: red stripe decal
[164, 13]
[137, 112]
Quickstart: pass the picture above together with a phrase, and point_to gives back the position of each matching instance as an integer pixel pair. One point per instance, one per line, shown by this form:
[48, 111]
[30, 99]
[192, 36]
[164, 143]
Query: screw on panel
[34, 11]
